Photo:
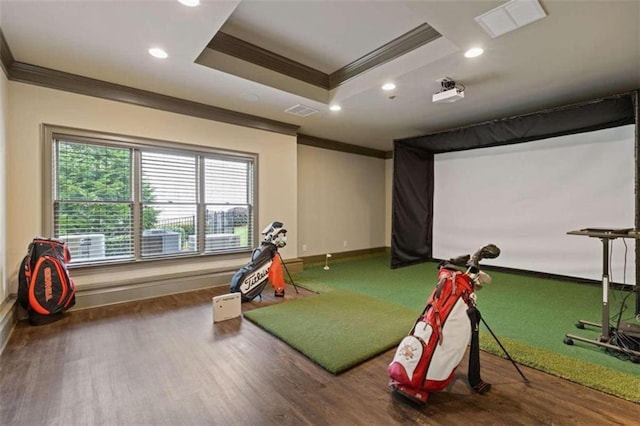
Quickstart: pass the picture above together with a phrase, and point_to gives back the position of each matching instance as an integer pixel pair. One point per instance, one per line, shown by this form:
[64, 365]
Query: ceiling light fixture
[190, 3]
[473, 52]
[335, 107]
[388, 86]
[156, 52]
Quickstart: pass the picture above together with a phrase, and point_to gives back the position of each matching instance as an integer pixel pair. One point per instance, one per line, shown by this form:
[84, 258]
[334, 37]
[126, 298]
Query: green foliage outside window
[94, 194]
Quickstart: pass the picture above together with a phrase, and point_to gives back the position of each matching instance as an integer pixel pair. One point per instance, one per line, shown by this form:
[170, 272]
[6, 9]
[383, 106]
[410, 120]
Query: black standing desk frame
[605, 337]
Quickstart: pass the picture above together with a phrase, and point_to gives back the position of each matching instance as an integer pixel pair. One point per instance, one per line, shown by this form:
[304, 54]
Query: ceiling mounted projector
[451, 95]
[450, 92]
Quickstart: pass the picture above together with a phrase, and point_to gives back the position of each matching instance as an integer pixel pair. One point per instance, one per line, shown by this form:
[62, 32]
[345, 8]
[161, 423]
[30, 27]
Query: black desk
[605, 235]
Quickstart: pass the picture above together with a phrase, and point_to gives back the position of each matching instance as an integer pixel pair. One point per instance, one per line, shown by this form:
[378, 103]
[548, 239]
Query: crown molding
[243, 50]
[340, 146]
[233, 46]
[6, 57]
[53, 79]
[407, 42]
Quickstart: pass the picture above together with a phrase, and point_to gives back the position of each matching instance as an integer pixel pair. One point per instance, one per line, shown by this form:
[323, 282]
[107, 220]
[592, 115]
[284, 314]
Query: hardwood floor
[162, 362]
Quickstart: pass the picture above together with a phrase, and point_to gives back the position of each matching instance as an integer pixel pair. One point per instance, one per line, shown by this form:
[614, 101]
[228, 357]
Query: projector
[447, 96]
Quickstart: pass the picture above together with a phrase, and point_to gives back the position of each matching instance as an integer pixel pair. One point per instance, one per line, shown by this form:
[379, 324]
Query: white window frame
[51, 133]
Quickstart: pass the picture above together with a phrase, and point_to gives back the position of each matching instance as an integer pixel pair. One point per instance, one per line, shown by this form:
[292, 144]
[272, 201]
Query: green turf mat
[585, 373]
[337, 329]
[532, 314]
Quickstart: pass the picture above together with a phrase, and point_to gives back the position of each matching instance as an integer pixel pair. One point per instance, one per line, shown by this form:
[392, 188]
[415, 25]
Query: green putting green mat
[337, 329]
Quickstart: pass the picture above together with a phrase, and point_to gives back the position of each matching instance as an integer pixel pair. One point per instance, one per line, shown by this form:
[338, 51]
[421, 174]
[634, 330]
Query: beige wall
[31, 106]
[340, 198]
[4, 119]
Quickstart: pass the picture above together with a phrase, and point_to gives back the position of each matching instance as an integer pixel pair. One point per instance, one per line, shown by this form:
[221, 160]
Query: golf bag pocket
[52, 290]
[408, 366]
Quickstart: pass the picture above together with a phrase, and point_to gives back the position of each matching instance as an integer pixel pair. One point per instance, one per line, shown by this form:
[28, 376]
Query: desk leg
[605, 290]
[606, 329]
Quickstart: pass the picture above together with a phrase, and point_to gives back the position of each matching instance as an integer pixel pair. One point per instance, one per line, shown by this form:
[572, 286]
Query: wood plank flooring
[163, 362]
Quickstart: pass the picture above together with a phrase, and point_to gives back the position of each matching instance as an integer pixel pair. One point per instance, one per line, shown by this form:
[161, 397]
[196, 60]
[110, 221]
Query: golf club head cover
[490, 251]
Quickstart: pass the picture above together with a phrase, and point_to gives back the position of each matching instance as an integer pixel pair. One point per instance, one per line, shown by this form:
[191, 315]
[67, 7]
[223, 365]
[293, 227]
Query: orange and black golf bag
[45, 289]
[265, 266]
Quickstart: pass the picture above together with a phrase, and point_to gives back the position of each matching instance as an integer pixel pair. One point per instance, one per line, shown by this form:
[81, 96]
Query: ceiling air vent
[301, 110]
[510, 16]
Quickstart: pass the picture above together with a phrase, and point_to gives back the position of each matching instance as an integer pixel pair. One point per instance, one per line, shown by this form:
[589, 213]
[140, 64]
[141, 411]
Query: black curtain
[412, 217]
[413, 173]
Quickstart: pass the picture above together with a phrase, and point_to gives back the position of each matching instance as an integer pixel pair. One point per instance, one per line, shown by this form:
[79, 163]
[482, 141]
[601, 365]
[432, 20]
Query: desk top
[607, 233]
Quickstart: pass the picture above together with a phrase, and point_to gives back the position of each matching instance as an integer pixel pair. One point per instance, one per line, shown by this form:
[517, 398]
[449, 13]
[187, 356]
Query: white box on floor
[226, 306]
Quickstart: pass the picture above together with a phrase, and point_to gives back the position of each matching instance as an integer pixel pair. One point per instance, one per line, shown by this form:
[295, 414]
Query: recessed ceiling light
[473, 52]
[190, 3]
[335, 107]
[388, 86]
[158, 53]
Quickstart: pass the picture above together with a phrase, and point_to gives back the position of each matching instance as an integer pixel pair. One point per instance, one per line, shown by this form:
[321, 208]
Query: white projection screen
[526, 197]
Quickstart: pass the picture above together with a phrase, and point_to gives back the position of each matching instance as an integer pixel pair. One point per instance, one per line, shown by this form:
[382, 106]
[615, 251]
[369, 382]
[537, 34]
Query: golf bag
[45, 289]
[427, 358]
[263, 267]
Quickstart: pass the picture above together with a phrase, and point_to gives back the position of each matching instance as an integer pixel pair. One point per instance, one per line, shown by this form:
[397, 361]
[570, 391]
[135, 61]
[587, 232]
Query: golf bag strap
[433, 303]
[435, 293]
[475, 381]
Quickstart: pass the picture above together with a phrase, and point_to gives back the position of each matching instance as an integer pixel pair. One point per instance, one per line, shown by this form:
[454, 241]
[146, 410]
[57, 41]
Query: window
[116, 199]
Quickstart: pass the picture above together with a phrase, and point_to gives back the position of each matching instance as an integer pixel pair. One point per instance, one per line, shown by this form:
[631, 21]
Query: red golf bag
[426, 359]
